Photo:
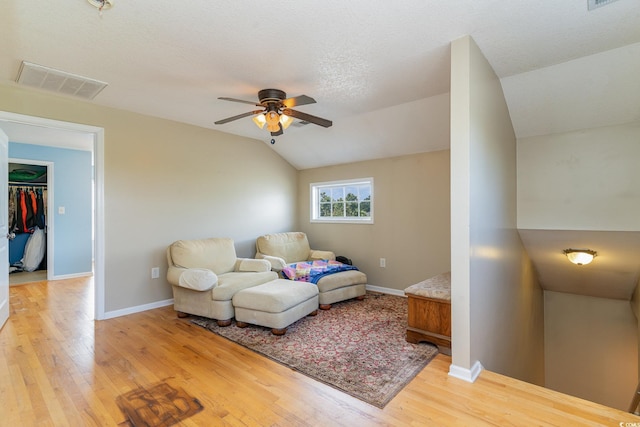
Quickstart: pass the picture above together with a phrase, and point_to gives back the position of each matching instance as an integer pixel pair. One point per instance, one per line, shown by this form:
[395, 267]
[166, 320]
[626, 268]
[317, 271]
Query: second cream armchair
[281, 249]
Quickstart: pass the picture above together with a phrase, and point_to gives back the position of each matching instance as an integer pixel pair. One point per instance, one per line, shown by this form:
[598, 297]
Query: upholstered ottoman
[429, 317]
[275, 304]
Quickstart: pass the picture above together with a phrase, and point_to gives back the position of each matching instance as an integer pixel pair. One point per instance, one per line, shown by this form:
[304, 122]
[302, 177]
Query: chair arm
[277, 263]
[173, 274]
[252, 265]
[314, 254]
[198, 279]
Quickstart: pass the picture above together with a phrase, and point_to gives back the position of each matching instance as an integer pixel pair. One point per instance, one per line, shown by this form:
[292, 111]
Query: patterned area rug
[358, 347]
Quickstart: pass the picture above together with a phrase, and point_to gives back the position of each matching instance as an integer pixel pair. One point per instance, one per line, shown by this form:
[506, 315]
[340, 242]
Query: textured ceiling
[372, 66]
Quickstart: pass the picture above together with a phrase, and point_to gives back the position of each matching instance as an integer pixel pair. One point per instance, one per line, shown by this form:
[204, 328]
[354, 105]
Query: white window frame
[314, 191]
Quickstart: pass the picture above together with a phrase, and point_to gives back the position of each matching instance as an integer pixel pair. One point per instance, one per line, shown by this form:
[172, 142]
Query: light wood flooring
[60, 368]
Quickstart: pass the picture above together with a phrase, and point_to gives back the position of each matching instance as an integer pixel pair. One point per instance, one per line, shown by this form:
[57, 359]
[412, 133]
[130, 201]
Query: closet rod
[27, 184]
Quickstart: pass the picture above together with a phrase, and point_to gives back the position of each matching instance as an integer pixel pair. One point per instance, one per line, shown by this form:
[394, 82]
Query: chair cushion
[230, 283]
[216, 254]
[292, 247]
[252, 265]
[341, 280]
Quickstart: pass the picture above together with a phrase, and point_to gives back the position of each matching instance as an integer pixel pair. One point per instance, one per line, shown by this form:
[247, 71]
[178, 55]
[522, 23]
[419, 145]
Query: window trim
[314, 202]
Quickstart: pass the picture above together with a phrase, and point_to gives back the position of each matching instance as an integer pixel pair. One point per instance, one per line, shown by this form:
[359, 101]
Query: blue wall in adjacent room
[72, 188]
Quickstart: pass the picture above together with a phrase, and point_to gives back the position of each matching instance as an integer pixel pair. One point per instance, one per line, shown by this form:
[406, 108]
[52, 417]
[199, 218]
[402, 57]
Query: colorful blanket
[312, 271]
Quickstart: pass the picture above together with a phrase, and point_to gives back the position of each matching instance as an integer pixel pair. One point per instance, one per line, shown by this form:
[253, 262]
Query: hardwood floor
[60, 368]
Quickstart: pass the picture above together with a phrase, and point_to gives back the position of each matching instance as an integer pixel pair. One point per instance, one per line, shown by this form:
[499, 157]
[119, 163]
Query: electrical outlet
[155, 272]
[383, 262]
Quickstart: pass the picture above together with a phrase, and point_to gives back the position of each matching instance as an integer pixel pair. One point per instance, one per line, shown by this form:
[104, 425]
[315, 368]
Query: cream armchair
[205, 274]
[281, 249]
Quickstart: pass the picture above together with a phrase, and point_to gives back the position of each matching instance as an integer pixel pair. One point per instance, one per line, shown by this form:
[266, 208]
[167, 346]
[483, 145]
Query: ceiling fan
[276, 114]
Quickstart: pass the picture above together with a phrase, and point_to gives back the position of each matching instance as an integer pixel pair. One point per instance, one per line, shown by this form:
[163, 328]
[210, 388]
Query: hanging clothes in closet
[27, 219]
[27, 208]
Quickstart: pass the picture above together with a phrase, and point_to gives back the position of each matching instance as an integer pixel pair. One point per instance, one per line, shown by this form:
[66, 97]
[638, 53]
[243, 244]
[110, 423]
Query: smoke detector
[594, 4]
[101, 4]
[50, 79]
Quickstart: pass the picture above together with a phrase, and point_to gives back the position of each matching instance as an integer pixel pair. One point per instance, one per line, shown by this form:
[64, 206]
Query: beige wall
[411, 218]
[583, 180]
[497, 303]
[590, 348]
[166, 181]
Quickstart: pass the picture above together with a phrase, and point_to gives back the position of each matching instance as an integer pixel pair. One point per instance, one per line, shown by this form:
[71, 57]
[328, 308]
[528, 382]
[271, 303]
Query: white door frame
[98, 220]
[5, 311]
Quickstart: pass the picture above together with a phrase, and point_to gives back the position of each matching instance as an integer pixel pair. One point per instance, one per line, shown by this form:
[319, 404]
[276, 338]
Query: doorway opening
[30, 243]
[65, 134]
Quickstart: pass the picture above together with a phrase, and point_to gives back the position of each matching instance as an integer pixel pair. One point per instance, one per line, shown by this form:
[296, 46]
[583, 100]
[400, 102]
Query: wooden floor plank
[59, 368]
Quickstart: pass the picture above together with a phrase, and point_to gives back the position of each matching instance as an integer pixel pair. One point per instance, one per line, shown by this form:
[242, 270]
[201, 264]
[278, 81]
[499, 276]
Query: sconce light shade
[260, 120]
[580, 256]
[285, 120]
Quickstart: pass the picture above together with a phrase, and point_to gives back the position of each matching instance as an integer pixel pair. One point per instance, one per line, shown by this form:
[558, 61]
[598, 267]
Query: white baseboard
[158, 304]
[389, 291]
[71, 276]
[469, 375]
[137, 309]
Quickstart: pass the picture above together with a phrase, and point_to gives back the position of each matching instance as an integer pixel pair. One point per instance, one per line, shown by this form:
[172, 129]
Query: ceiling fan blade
[280, 131]
[239, 116]
[298, 100]
[308, 117]
[239, 100]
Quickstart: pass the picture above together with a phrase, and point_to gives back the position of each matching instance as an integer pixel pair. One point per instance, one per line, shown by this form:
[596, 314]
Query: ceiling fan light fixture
[260, 120]
[580, 256]
[273, 121]
[277, 111]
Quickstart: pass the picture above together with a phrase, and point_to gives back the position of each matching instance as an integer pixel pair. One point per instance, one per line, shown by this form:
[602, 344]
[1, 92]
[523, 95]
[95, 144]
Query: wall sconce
[580, 256]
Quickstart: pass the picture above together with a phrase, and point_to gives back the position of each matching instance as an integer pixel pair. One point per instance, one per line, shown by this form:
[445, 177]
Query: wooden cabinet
[429, 317]
[429, 320]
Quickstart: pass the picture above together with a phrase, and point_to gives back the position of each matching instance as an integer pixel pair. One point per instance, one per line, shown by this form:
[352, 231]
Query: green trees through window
[343, 200]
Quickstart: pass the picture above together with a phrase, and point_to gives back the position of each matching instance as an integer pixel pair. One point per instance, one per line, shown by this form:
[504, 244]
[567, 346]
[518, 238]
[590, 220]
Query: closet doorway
[30, 230]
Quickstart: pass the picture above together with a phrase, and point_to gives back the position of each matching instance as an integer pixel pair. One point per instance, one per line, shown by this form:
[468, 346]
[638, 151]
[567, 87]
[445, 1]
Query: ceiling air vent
[594, 4]
[58, 81]
[299, 124]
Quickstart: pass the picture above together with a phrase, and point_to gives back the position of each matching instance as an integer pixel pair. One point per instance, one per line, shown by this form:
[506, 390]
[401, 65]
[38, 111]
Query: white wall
[583, 180]
[590, 348]
[497, 311]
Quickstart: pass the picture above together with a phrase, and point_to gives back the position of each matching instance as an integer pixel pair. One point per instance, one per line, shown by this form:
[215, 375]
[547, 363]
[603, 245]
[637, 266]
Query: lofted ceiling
[378, 70]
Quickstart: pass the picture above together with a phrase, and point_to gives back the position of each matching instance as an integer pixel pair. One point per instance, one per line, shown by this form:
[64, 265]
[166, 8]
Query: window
[342, 201]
